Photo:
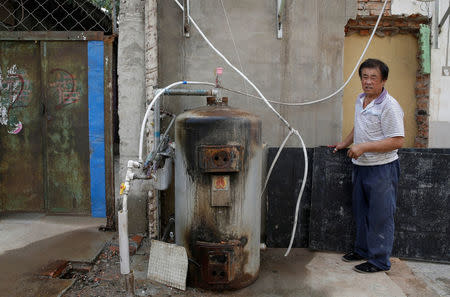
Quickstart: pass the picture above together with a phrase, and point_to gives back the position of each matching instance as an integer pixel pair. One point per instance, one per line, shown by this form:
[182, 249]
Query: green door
[45, 166]
[21, 145]
[67, 144]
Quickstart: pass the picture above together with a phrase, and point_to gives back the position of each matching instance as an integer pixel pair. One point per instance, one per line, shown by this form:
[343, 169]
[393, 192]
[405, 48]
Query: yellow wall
[399, 53]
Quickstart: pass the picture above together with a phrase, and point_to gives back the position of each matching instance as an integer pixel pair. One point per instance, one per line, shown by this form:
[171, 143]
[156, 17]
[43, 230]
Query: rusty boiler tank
[217, 187]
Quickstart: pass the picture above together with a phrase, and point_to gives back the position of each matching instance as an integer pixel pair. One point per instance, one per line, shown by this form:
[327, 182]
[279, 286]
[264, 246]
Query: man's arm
[381, 146]
[345, 143]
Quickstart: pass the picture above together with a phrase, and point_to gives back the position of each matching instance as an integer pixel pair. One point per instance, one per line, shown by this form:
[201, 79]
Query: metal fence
[54, 15]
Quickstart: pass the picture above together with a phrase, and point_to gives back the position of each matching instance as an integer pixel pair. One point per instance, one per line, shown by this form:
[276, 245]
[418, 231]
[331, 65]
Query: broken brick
[55, 269]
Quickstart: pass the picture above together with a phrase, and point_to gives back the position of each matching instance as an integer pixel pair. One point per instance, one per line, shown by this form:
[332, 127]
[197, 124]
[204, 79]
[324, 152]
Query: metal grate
[53, 15]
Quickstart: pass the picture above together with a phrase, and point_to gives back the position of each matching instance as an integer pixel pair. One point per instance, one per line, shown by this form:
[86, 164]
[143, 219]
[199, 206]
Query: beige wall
[399, 53]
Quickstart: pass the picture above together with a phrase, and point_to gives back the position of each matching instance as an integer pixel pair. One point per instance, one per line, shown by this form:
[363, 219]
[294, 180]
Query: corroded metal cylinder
[217, 186]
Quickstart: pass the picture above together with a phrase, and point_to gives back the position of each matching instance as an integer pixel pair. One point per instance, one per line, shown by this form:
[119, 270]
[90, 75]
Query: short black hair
[375, 63]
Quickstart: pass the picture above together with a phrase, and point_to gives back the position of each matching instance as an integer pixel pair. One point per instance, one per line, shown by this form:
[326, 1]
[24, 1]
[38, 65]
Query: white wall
[408, 7]
[440, 88]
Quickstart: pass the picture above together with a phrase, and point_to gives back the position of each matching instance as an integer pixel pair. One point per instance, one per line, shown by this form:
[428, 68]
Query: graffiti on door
[64, 86]
[15, 90]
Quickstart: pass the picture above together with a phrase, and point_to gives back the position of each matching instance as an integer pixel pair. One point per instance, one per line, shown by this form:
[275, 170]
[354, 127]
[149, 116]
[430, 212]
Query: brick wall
[373, 7]
[422, 109]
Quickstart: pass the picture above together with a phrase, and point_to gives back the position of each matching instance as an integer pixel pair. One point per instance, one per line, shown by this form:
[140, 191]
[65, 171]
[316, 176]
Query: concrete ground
[322, 274]
[28, 242]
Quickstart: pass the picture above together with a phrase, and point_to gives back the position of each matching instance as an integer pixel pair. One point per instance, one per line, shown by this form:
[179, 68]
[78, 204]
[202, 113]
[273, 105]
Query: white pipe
[149, 108]
[124, 249]
[235, 69]
[338, 90]
[268, 104]
[279, 116]
[274, 162]
[299, 198]
[157, 119]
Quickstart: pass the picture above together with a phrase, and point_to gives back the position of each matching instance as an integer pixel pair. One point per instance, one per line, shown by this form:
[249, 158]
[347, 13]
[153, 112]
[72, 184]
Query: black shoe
[352, 256]
[367, 267]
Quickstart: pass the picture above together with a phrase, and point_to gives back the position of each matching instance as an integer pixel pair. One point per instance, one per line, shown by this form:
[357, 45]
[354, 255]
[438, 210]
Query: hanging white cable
[270, 106]
[234, 67]
[232, 39]
[299, 198]
[274, 162]
[279, 116]
[342, 87]
[160, 92]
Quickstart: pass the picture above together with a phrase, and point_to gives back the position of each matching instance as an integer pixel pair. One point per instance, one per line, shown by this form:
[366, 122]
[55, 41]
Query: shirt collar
[379, 99]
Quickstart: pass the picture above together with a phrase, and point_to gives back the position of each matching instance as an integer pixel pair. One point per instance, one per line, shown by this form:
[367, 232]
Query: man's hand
[356, 151]
[338, 146]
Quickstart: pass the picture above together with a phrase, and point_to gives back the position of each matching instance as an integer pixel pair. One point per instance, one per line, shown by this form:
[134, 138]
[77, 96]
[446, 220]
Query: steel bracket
[280, 11]
[186, 20]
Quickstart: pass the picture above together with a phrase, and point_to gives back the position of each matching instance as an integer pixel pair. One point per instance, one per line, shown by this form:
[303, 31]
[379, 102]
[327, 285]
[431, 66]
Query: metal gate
[47, 141]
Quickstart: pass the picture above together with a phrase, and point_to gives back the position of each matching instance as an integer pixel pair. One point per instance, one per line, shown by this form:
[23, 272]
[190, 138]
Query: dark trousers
[374, 199]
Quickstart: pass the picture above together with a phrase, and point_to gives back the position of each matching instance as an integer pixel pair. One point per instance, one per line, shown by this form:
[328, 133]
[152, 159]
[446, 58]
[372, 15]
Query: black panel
[422, 219]
[332, 227]
[423, 205]
[282, 193]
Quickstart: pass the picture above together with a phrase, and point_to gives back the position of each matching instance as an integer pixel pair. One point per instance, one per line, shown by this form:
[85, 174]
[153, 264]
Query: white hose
[305, 175]
[270, 106]
[274, 162]
[276, 112]
[234, 68]
[149, 108]
[338, 90]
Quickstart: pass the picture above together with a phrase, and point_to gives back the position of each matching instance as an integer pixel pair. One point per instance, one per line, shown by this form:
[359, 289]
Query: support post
[151, 80]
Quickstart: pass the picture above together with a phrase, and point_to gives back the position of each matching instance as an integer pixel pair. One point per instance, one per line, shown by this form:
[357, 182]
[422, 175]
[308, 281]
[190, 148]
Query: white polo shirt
[382, 118]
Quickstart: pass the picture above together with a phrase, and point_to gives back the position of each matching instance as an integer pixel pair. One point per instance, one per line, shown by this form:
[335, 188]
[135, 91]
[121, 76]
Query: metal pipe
[444, 18]
[436, 24]
[189, 92]
[186, 24]
[157, 119]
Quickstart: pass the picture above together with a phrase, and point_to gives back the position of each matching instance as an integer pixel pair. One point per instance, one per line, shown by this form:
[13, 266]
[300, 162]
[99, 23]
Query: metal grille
[53, 15]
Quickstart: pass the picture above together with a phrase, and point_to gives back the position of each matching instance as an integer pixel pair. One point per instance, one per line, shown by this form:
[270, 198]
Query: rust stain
[220, 158]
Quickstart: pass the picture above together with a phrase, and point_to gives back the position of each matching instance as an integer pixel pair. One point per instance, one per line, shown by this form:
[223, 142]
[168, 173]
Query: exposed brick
[364, 32]
[423, 104]
[422, 83]
[114, 249]
[422, 92]
[423, 132]
[421, 142]
[55, 268]
[137, 239]
[421, 119]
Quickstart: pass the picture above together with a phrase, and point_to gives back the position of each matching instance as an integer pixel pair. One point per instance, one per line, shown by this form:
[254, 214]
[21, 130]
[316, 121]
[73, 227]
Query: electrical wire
[274, 162]
[234, 67]
[448, 38]
[338, 90]
[273, 109]
[150, 106]
[278, 114]
[234, 42]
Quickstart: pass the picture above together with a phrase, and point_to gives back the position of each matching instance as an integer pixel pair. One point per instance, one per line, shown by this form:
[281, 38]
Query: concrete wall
[408, 7]
[305, 64]
[440, 87]
[131, 84]
[399, 52]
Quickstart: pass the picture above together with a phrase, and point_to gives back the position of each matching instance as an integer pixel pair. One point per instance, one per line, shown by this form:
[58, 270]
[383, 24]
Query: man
[377, 134]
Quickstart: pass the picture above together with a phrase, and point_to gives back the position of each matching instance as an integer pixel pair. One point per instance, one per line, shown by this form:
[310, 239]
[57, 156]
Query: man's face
[371, 81]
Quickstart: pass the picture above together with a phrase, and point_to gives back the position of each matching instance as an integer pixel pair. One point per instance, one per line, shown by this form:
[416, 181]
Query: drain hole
[75, 270]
